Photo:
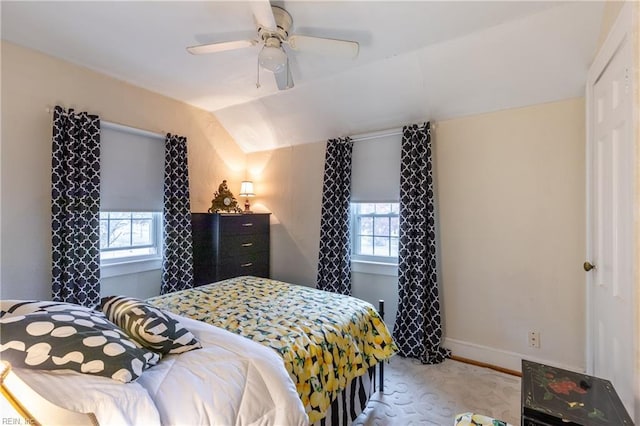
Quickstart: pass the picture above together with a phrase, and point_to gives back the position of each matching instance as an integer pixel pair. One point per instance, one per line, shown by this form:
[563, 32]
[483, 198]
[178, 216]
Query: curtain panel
[75, 207]
[334, 261]
[177, 259]
[418, 331]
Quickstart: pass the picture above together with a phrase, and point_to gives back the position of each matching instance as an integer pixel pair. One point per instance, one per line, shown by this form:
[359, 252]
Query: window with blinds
[131, 195]
[375, 195]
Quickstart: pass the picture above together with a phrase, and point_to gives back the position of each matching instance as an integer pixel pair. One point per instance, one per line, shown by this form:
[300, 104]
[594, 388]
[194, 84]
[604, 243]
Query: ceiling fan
[273, 25]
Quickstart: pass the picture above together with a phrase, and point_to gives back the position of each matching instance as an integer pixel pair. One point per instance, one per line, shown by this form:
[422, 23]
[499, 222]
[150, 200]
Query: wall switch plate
[534, 339]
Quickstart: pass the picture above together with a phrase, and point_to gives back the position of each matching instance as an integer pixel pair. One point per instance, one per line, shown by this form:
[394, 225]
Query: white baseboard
[498, 357]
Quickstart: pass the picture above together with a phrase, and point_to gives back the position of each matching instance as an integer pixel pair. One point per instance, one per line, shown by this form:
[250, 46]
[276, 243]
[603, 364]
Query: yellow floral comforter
[325, 339]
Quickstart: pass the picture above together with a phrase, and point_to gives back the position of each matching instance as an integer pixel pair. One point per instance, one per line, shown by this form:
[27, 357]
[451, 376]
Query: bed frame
[381, 363]
[340, 411]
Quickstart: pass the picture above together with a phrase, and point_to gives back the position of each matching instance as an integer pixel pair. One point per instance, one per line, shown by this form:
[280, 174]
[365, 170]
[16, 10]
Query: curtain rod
[125, 128]
[377, 134]
[382, 133]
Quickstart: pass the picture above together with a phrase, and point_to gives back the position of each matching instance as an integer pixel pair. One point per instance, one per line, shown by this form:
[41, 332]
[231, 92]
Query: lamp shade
[272, 58]
[246, 189]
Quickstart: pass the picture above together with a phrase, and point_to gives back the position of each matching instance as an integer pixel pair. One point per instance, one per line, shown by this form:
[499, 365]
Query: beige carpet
[417, 394]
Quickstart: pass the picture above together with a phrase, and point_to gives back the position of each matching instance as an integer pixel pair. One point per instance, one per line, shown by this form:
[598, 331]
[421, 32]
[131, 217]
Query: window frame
[355, 218]
[154, 258]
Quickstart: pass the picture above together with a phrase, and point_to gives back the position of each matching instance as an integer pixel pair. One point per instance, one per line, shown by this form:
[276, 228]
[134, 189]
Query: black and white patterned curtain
[334, 262]
[418, 331]
[177, 259]
[75, 207]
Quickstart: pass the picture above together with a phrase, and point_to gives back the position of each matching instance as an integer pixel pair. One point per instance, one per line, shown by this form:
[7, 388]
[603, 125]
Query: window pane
[104, 233]
[395, 227]
[375, 231]
[367, 208]
[381, 226]
[142, 215]
[383, 208]
[381, 246]
[120, 215]
[366, 245]
[366, 226]
[141, 232]
[120, 233]
[129, 234]
[394, 247]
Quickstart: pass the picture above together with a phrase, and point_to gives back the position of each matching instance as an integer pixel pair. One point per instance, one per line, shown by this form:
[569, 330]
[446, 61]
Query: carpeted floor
[417, 394]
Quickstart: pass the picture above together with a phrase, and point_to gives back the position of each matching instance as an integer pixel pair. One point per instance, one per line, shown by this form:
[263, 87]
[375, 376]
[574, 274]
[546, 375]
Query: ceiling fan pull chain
[258, 73]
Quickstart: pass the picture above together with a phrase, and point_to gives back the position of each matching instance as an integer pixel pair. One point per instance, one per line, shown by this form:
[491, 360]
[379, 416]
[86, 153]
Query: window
[374, 231]
[130, 236]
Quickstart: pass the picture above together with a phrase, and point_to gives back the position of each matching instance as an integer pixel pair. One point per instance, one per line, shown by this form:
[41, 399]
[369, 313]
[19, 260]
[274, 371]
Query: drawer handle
[246, 265]
[247, 244]
[247, 224]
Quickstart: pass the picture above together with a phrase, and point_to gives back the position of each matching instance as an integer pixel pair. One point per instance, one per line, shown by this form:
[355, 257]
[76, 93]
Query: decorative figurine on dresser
[224, 201]
[228, 244]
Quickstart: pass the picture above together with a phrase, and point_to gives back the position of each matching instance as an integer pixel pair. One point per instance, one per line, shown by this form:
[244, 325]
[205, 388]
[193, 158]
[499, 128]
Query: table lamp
[246, 190]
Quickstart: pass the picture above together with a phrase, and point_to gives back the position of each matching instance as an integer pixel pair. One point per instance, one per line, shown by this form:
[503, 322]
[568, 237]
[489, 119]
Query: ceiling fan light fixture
[272, 58]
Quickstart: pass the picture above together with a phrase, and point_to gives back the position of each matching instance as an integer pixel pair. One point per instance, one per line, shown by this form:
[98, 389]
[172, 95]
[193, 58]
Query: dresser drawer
[229, 245]
[249, 264]
[238, 245]
[243, 224]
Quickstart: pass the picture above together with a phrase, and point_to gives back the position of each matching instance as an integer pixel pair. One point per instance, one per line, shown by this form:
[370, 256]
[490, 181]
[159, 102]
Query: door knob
[588, 266]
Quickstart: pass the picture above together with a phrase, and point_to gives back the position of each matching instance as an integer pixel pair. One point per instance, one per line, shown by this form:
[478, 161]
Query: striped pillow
[148, 325]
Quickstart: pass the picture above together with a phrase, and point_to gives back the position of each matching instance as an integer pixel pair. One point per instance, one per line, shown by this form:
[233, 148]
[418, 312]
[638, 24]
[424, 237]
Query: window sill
[376, 268]
[132, 267]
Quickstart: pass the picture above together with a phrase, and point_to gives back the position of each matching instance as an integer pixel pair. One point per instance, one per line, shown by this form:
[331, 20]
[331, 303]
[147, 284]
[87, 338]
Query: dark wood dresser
[229, 245]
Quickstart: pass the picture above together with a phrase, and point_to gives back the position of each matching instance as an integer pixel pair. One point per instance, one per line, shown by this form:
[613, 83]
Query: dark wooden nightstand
[229, 245]
[554, 396]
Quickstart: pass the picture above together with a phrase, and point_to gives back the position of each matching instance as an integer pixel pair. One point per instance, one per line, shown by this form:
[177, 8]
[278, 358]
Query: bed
[225, 380]
[329, 342]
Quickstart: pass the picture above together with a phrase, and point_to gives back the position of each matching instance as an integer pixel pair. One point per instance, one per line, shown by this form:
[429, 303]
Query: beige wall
[512, 220]
[511, 188]
[288, 183]
[33, 82]
[636, 49]
[636, 30]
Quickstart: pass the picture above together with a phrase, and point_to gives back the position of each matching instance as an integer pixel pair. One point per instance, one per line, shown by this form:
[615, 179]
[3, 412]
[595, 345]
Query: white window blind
[375, 169]
[132, 171]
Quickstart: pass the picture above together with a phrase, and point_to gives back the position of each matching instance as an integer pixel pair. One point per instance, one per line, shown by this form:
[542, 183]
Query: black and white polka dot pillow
[22, 307]
[67, 336]
[148, 325]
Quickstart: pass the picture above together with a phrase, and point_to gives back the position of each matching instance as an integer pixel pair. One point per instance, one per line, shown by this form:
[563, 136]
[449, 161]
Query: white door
[612, 334]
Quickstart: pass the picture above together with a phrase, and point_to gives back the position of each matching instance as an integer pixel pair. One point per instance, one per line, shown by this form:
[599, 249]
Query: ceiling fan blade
[263, 14]
[284, 79]
[324, 46]
[220, 47]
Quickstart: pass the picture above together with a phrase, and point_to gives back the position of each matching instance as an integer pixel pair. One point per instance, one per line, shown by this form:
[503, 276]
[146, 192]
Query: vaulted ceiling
[418, 60]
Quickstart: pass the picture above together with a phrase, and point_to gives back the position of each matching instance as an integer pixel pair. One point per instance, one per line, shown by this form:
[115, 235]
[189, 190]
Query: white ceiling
[418, 60]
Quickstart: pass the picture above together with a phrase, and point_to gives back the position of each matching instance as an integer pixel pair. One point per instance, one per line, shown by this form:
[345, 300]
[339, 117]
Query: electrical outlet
[534, 339]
